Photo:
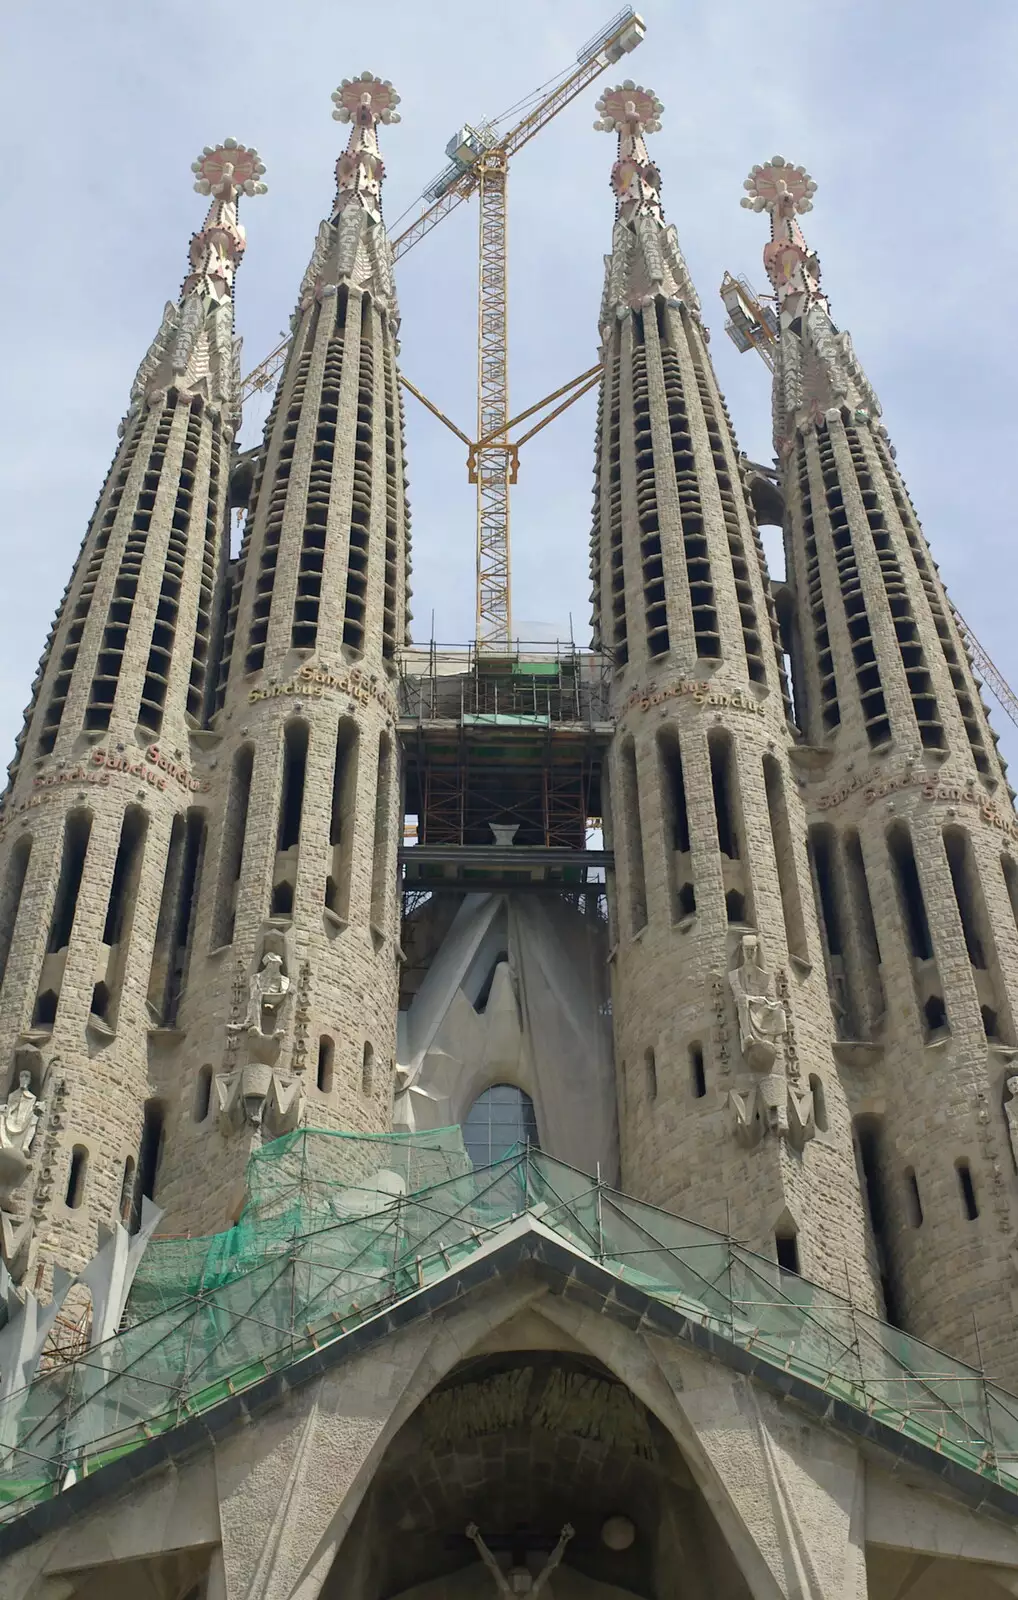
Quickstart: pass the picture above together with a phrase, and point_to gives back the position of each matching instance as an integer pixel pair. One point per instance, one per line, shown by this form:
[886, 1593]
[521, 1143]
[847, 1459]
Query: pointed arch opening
[499, 1119]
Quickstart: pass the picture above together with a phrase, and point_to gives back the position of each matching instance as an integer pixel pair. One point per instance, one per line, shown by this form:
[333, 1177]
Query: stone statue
[267, 995]
[20, 1116]
[1011, 1113]
[519, 1580]
[762, 1020]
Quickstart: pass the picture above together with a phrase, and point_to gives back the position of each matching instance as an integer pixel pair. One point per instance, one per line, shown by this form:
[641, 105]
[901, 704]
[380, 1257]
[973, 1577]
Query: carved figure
[20, 1116]
[267, 995]
[519, 1580]
[1011, 1113]
[762, 1020]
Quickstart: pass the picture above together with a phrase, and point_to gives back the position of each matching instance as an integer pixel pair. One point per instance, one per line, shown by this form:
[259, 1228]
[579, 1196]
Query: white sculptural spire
[352, 246]
[194, 350]
[632, 111]
[225, 172]
[364, 102]
[816, 367]
[645, 259]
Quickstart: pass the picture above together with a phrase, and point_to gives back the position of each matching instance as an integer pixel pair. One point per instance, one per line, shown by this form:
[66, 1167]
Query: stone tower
[913, 836]
[731, 1106]
[98, 838]
[296, 920]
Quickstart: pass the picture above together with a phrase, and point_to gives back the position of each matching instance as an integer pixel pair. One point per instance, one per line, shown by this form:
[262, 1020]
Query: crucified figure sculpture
[519, 1579]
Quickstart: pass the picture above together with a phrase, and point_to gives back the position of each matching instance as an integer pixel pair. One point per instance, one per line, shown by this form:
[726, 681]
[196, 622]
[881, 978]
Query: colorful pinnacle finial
[366, 99]
[632, 111]
[786, 191]
[365, 102]
[224, 171]
[228, 166]
[779, 186]
[627, 108]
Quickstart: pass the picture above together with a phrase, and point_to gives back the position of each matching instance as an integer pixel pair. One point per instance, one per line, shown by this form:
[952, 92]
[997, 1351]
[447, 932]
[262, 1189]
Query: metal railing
[549, 684]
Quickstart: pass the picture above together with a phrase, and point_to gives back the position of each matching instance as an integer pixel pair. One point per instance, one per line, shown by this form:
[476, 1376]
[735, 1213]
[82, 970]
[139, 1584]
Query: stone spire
[722, 1029]
[98, 885]
[912, 833]
[300, 892]
[352, 246]
[195, 350]
[645, 259]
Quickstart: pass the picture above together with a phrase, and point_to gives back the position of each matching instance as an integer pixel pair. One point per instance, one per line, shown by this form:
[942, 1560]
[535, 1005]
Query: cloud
[903, 115]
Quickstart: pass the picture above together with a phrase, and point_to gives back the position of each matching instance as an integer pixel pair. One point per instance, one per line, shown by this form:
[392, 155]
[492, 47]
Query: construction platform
[503, 759]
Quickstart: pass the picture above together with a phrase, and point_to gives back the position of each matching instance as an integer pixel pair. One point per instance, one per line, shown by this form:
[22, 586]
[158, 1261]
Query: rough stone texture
[769, 1503]
[932, 1095]
[295, 648]
[671, 987]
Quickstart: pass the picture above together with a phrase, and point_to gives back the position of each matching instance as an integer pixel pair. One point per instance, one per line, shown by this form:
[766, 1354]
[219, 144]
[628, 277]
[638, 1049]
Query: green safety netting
[339, 1227]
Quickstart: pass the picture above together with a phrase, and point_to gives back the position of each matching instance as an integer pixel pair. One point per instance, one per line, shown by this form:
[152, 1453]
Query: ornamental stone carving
[771, 1106]
[260, 1097]
[519, 1580]
[20, 1116]
[268, 992]
[762, 1018]
[1011, 1113]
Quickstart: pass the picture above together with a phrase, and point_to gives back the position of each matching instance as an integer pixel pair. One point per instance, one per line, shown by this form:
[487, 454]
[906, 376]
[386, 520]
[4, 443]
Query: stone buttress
[730, 1103]
[102, 825]
[297, 918]
[914, 840]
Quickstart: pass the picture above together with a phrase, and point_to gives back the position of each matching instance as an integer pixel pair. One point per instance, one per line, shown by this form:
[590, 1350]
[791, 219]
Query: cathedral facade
[506, 1120]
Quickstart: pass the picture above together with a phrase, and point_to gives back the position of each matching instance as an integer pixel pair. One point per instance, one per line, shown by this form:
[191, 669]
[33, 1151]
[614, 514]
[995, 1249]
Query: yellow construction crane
[264, 375]
[991, 674]
[752, 325]
[478, 163]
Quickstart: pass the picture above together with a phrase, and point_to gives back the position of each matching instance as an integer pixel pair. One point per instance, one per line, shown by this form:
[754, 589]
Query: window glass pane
[501, 1117]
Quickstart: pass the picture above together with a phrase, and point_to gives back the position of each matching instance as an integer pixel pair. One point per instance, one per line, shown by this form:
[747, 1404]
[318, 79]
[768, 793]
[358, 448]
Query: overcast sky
[902, 110]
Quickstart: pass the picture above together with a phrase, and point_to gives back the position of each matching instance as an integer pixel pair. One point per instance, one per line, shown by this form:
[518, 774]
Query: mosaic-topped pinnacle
[629, 108]
[776, 181]
[366, 98]
[228, 168]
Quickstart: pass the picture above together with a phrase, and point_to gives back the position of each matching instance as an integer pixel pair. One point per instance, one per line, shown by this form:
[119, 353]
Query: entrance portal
[535, 1472]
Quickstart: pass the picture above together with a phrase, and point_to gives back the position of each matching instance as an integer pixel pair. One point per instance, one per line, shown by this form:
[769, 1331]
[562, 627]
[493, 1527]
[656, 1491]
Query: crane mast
[479, 162]
[492, 457]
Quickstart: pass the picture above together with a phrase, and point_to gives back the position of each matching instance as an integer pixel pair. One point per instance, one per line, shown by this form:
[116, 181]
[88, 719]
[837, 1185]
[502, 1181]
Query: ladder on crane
[478, 163]
[752, 325]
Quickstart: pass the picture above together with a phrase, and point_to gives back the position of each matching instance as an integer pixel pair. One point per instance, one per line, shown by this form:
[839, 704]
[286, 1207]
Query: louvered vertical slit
[355, 610]
[118, 619]
[706, 632]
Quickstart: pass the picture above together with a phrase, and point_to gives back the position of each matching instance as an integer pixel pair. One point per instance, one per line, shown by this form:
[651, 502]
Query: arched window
[127, 1192]
[76, 1177]
[819, 1102]
[326, 1059]
[501, 1117]
[202, 1094]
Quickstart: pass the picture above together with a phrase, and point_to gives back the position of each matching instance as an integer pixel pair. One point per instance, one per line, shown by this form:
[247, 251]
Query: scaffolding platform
[503, 758]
